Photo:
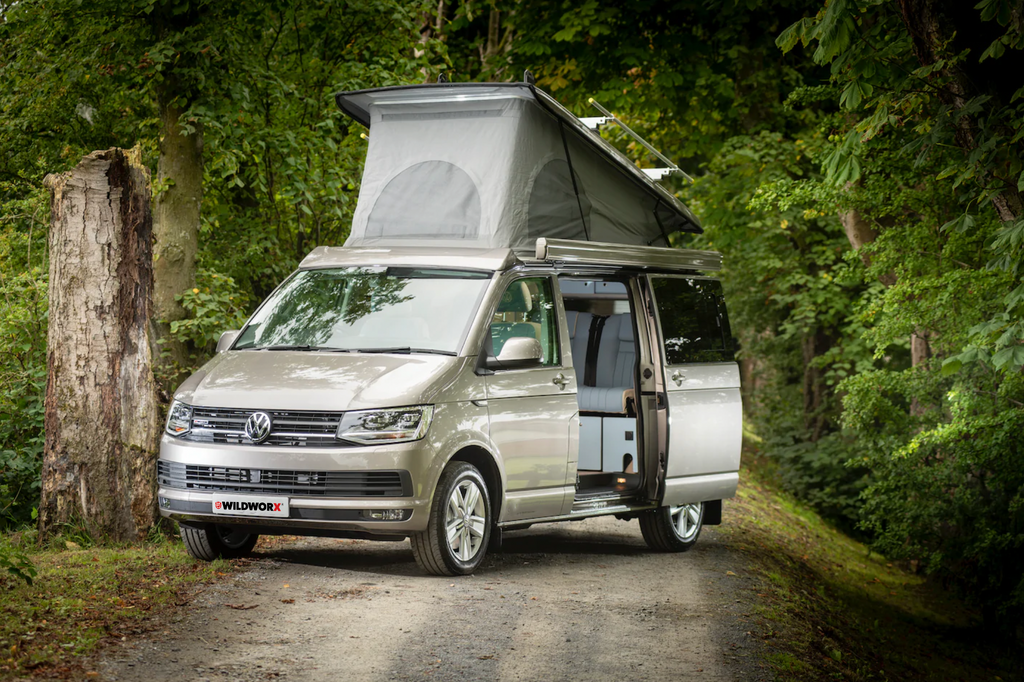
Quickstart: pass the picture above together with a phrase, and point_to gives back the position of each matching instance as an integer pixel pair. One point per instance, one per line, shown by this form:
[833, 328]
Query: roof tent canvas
[496, 165]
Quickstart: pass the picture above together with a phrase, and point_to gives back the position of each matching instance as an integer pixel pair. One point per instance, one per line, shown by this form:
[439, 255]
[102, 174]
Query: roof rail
[595, 122]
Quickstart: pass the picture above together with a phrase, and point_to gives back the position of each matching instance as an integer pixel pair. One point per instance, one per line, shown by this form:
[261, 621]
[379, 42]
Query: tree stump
[102, 416]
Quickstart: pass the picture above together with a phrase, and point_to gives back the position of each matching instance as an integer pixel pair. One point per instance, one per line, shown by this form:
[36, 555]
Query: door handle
[678, 377]
[560, 380]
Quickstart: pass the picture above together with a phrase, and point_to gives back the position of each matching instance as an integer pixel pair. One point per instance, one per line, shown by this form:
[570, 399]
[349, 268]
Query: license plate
[250, 505]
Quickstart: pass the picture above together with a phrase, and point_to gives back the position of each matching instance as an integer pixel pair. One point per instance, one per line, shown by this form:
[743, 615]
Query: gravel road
[569, 601]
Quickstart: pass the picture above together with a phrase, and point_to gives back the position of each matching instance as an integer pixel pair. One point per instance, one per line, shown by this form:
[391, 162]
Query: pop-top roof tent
[497, 165]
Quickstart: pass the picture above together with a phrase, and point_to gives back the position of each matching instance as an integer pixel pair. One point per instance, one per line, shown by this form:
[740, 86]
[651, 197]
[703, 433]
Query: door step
[604, 502]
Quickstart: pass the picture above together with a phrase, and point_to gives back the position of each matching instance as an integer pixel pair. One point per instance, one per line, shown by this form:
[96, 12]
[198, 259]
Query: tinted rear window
[694, 321]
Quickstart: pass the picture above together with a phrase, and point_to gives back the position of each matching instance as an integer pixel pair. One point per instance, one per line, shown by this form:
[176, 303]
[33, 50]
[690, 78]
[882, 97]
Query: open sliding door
[702, 387]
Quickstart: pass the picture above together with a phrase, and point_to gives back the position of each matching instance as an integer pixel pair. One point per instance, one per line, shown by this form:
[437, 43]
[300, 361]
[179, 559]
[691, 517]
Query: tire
[210, 542]
[236, 544]
[672, 529]
[461, 496]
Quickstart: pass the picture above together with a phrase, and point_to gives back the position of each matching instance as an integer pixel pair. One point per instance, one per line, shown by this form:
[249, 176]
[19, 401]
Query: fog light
[165, 503]
[385, 514]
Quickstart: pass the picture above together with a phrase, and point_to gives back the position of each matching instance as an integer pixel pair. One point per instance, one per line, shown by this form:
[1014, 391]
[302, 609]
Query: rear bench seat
[616, 357]
[579, 322]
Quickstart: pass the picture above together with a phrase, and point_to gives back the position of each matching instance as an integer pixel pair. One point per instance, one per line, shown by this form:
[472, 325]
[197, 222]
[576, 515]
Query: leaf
[835, 32]
[566, 34]
[802, 31]
[851, 96]
[1002, 358]
[995, 50]
[951, 366]
[994, 9]
[952, 224]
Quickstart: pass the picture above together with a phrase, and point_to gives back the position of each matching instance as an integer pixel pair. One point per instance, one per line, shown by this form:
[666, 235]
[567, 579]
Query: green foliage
[214, 306]
[23, 310]
[952, 495]
[927, 153]
[14, 563]
[944, 101]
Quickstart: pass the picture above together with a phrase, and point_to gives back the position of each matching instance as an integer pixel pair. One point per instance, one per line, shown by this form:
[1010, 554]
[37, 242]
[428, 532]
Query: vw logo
[257, 427]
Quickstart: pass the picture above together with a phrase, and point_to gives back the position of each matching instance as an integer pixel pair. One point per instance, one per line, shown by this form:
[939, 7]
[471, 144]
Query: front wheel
[210, 541]
[672, 529]
[459, 526]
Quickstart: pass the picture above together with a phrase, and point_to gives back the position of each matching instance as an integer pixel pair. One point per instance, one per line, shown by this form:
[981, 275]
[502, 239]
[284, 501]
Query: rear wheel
[459, 526]
[210, 541]
[672, 529]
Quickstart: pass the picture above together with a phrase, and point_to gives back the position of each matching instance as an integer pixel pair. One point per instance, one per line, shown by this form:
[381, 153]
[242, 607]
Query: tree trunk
[859, 233]
[920, 352]
[931, 34]
[175, 224]
[102, 417]
[815, 391]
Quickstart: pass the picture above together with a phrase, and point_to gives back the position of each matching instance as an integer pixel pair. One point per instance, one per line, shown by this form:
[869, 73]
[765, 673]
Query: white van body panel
[705, 432]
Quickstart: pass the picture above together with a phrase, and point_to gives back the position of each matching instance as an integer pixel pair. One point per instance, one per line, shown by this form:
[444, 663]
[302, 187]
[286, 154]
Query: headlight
[179, 419]
[399, 425]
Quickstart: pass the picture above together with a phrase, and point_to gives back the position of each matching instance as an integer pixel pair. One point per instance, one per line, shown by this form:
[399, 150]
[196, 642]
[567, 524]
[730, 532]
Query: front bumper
[189, 501]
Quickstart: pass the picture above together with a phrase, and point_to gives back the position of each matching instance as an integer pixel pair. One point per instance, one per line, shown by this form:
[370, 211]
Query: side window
[693, 320]
[527, 308]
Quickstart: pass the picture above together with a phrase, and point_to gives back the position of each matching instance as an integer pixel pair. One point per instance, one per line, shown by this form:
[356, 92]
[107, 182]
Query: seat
[518, 302]
[579, 336]
[607, 400]
[616, 359]
[616, 356]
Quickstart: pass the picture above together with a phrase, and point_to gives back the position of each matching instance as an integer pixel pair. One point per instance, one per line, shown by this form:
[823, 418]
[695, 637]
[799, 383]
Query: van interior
[604, 352]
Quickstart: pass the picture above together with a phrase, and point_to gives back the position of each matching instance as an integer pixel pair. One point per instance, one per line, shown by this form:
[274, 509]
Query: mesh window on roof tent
[430, 199]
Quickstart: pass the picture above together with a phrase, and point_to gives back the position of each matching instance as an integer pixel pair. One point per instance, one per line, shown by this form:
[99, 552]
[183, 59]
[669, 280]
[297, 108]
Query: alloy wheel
[686, 520]
[465, 520]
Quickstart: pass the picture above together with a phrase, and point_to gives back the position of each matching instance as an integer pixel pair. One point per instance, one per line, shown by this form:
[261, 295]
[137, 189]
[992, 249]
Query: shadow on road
[395, 558]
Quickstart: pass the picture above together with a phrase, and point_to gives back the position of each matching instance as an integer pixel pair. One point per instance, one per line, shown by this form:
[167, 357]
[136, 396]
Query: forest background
[857, 162]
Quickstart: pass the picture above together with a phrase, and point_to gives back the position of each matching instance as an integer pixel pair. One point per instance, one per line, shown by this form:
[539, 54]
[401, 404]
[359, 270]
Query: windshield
[368, 310]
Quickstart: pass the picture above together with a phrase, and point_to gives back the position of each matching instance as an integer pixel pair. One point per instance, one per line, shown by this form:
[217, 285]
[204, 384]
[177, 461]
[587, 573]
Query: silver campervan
[505, 339]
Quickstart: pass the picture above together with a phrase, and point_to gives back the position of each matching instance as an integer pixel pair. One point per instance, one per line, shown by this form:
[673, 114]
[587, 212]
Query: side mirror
[519, 352]
[226, 339]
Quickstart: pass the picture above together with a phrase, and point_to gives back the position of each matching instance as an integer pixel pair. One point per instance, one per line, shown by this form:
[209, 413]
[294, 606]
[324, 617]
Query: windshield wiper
[400, 350]
[328, 349]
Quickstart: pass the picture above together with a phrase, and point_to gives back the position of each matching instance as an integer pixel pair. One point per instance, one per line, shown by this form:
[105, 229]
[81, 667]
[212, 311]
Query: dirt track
[580, 601]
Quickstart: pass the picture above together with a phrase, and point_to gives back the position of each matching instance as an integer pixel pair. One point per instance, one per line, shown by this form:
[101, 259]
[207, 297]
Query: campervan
[505, 339]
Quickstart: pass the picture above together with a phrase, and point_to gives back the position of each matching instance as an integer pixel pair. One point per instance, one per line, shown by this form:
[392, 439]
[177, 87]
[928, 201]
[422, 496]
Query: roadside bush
[23, 319]
[216, 304]
[821, 473]
[950, 493]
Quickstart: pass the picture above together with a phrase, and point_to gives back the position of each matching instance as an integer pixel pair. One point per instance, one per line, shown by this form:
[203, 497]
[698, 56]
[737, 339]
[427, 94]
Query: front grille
[215, 425]
[284, 481]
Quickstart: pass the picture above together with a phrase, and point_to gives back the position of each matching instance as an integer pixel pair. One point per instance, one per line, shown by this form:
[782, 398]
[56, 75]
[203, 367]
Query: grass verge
[83, 596]
[832, 610]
